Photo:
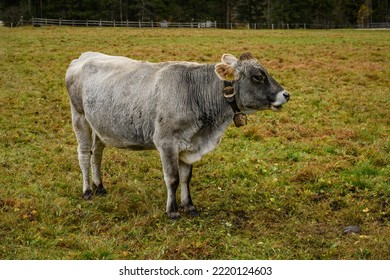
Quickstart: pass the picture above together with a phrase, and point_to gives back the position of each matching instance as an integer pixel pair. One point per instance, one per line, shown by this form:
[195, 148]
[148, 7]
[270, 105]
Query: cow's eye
[258, 78]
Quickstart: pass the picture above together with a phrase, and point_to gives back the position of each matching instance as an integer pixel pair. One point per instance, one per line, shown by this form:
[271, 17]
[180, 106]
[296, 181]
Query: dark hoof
[174, 216]
[88, 194]
[193, 213]
[100, 190]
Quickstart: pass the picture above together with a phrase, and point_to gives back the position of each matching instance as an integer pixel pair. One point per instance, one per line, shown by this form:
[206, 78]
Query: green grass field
[283, 187]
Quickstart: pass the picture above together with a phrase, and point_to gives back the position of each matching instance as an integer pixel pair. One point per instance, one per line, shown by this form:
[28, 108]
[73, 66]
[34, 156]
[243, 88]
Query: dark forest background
[322, 12]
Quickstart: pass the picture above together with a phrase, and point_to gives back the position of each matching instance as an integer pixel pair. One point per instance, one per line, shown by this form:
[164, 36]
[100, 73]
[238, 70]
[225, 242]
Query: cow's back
[98, 70]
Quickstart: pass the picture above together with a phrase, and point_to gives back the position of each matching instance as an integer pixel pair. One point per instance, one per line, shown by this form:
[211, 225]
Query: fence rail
[107, 23]
[206, 24]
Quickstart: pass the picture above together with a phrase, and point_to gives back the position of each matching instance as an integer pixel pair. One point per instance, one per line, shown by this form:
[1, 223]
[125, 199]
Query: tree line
[321, 12]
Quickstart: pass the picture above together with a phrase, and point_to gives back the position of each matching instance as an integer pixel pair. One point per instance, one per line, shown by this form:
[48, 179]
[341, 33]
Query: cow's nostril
[286, 95]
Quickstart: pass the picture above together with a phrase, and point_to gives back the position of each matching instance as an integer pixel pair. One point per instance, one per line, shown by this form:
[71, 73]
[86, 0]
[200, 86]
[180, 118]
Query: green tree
[363, 15]
[321, 11]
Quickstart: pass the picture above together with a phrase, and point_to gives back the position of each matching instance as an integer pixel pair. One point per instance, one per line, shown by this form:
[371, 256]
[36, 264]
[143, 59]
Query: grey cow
[179, 108]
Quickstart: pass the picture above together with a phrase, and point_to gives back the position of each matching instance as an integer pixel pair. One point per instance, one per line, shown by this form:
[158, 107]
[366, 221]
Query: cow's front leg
[185, 172]
[170, 163]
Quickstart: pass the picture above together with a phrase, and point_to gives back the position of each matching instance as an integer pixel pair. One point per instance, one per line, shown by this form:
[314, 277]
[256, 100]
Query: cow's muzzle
[281, 98]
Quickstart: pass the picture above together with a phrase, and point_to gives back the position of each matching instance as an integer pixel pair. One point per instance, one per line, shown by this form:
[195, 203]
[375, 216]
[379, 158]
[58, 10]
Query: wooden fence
[206, 24]
[137, 24]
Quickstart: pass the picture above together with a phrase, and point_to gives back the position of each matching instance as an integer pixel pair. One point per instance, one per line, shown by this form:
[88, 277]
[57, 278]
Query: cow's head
[255, 88]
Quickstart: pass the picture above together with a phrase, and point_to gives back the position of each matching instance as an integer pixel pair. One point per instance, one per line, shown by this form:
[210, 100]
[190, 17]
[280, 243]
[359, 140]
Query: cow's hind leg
[185, 172]
[96, 163]
[83, 133]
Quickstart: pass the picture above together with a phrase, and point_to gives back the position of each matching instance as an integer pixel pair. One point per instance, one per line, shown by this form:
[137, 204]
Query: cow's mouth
[276, 108]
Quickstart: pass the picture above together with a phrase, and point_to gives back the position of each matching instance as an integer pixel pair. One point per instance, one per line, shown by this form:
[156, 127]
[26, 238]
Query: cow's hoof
[88, 194]
[193, 213]
[100, 190]
[174, 215]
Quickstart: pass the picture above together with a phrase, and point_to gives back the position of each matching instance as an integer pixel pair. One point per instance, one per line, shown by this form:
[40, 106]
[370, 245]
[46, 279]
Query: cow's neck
[229, 93]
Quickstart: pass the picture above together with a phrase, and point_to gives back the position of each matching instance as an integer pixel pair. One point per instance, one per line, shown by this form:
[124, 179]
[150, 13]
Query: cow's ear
[225, 72]
[229, 59]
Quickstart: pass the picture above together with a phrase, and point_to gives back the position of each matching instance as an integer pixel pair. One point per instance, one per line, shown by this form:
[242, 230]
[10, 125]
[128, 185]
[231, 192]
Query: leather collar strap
[239, 118]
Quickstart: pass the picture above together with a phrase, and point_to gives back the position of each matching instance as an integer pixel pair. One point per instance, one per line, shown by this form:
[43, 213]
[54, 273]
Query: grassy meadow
[283, 187]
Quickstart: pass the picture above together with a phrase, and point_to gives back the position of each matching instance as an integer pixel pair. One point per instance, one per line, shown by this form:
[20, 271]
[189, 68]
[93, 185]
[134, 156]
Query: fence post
[86, 22]
[32, 21]
[114, 22]
[139, 23]
[272, 26]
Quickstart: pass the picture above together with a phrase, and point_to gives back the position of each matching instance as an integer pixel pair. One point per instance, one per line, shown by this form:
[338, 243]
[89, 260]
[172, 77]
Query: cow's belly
[123, 133]
[126, 143]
